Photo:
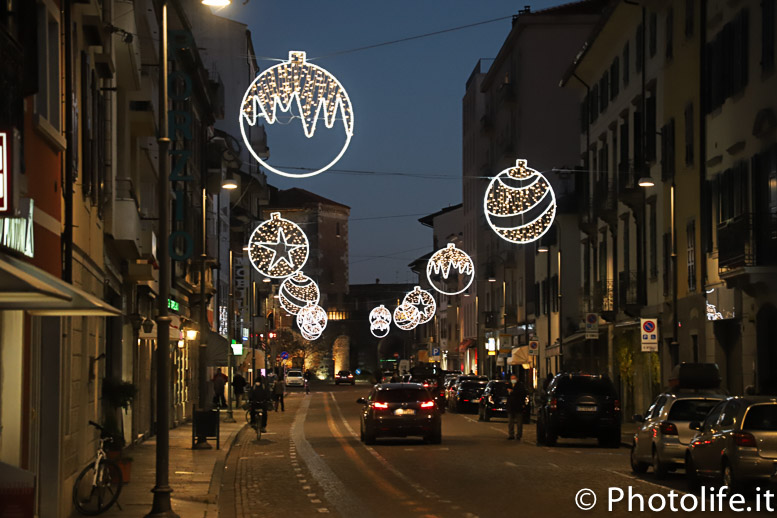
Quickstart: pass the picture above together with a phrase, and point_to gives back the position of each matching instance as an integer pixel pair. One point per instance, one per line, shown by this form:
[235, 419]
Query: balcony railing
[506, 93]
[600, 298]
[747, 240]
[628, 288]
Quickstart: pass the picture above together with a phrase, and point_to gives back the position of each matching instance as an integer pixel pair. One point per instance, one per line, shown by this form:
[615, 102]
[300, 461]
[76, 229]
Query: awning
[28, 288]
[466, 344]
[520, 355]
[217, 350]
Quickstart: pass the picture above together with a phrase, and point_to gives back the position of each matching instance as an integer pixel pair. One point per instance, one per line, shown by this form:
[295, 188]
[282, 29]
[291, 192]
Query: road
[311, 462]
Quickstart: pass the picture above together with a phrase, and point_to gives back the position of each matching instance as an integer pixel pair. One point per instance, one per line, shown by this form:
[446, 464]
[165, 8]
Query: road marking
[334, 489]
[632, 477]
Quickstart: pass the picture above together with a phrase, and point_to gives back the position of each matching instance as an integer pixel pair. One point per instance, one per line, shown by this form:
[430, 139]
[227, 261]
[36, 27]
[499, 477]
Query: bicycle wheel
[258, 425]
[94, 495]
[248, 416]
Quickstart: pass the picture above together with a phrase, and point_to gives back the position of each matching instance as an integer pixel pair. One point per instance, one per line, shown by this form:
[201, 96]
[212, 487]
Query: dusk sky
[407, 104]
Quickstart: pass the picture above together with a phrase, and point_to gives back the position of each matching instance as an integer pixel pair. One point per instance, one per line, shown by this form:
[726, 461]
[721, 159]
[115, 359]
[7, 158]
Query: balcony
[629, 296]
[605, 201]
[511, 316]
[123, 223]
[600, 298]
[747, 240]
[506, 93]
[629, 192]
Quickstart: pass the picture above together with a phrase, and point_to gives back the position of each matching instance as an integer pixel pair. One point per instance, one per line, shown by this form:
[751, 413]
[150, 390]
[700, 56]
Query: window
[586, 267]
[667, 151]
[767, 35]
[604, 92]
[688, 115]
[593, 106]
[639, 48]
[554, 293]
[667, 262]
[732, 192]
[653, 239]
[626, 244]
[690, 232]
[650, 127]
[653, 38]
[712, 418]
[624, 150]
[727, 59]
[584, 114]
[47, 100]
[689, 8]
[614, 78]
[626, 62]
[729, 414]
[691, 409]
[639, 159]
[669, 33]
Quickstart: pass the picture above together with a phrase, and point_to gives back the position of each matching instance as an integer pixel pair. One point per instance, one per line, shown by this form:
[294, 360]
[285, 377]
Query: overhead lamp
[266, 279]
[646, 181]
[180, 344]
[216, 3]
[491, 278]
[147, 325]
[191, 334]
[543, 249]
[229, 182]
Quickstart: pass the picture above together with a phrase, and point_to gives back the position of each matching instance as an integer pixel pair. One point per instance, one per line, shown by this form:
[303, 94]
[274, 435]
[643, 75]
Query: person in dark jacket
[516, 401]
[239, 385]
[259, 398]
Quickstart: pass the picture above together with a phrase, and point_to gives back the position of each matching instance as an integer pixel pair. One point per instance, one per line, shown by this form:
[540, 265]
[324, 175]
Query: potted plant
[117, 394]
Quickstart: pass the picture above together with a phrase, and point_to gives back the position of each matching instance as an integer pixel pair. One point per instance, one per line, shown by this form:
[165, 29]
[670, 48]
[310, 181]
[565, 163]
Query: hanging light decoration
[317, 94]
[423, 301]
[311, 321]
[296, 291]
[446, 261]
[380, 321]
[278, 247]
[520, 204]
[406, 316]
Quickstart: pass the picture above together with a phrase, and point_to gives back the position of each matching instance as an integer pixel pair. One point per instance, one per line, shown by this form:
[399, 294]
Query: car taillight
[378, 404]
[667, 428]
[744, 439]
[616, 406]
[427, 404]
[553, 404]
[426, 384]
[350, 375]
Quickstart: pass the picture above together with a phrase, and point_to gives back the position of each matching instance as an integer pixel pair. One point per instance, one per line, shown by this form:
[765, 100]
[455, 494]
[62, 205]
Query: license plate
[404, 411]
[586, 409]
[504, 400]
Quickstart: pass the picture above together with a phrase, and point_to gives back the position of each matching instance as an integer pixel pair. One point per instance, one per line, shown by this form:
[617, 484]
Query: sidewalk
[195, 475]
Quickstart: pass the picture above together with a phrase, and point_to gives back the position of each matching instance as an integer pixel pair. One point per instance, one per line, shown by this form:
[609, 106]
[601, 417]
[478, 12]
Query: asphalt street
[311, 462]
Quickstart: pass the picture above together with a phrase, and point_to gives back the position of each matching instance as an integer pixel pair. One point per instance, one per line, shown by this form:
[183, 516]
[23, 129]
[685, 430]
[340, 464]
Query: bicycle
[256, 422]
[97, 487]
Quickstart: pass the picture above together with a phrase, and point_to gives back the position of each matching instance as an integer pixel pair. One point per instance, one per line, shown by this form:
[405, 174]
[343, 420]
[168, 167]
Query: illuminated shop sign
[16, 233]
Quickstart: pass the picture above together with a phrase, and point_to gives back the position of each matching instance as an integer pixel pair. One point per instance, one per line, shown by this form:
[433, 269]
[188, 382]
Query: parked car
[493, 401]
[664, 431]
[294, 379]
[344, 377]
[736, 443]
[435, 387]
[400, 410]
[467, 395]
[452, 386]
[578, 406]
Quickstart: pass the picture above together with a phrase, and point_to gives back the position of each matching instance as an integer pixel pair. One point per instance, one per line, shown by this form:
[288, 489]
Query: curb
[217, 475]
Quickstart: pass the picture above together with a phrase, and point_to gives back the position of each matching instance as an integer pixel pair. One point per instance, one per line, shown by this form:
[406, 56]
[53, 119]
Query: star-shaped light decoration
[423, 302]
[278, 247]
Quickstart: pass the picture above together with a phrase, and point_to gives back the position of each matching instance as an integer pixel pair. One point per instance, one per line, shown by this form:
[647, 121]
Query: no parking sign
[649, 332]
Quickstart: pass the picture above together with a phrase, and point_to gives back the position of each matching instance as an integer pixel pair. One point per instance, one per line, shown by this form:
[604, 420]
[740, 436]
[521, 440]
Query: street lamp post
[161, 505]
[231, 333]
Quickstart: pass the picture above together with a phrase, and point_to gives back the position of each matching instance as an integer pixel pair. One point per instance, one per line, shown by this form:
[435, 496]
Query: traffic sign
[435, 352]
[284, 355]
[592, 326]
[649, 334]
[534, 347]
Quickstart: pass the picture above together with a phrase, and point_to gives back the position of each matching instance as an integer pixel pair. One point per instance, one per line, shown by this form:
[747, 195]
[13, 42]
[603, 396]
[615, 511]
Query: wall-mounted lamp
[191, 334]
[147, 325]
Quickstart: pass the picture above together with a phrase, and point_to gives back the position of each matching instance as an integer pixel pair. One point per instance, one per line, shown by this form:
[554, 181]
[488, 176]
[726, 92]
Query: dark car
[452, 386]
[579, 406]
[435, 385]
[467, 395]
[345, 377]
[400, 410]
[493, 401]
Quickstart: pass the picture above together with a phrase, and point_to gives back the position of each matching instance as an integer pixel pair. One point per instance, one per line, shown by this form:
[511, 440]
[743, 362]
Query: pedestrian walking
[307, 377]
[516, 401]
[219, 381]
[278, 391]
[239, 384]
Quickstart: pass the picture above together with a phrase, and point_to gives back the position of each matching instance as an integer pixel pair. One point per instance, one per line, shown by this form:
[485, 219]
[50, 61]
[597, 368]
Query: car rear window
[691, 409]
[402, 395]
[499, 389]
[472, 385]
[294, 373]
[761, 418]
[586, 385]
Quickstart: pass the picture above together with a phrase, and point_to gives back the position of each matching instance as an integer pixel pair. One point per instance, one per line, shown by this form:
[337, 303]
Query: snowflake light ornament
[447, 260]
[296, 291]
[311, 321]
[314, 91]
[380, 321]
[423, 301]
[278, 247]
[406, 316]
[520, 204]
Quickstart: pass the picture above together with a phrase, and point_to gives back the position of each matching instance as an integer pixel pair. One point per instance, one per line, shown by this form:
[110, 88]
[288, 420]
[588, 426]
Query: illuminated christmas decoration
[311, 321]
[278, 247]
[380, 321]
[296, 291]
[317, 94]
[520, 204]
[442, 263]
[406, 316]
[423, 302]
[713, 313]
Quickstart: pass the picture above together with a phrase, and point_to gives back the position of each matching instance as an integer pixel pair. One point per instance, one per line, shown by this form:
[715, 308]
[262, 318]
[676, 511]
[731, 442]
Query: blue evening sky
[407, 105]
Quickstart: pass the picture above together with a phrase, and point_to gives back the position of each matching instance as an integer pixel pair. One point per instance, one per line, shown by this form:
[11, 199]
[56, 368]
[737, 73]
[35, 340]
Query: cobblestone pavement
[265, 478]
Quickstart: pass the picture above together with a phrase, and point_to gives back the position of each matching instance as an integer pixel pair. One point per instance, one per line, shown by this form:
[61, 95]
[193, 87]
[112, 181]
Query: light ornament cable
[317, 93]
[406, 316]
[296, 291]
[311, 321]
[515, 195]
[278, 247]
[443, 261]
[423, 301]
[380, 321]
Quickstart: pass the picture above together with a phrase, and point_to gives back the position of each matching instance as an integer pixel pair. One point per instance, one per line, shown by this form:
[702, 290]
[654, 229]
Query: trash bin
[206, 424]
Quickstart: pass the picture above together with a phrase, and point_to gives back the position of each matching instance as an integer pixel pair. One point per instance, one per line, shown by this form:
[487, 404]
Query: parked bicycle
[98, 486]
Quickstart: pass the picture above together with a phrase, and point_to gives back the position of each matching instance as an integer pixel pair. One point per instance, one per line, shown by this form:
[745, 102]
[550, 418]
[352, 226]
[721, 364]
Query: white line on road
[632, 477]
[333, 487]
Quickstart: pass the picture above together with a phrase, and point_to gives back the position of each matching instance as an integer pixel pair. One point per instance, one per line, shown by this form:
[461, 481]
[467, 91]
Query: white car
[294, 379]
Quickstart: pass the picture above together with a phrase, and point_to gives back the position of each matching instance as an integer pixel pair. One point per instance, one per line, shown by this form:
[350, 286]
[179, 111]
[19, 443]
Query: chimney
[377, 281]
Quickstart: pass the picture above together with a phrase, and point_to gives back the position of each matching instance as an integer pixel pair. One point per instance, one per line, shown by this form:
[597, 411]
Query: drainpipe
[67, 188]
